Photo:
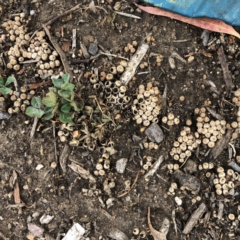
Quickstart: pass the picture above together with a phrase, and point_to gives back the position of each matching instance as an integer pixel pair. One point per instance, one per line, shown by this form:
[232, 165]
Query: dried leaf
[16, 191]
[156, 235]
[66, 46]
[81, 171]
[205, 23]
[37, 85]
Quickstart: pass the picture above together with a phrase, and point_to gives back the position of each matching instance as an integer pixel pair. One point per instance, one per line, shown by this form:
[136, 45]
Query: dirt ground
[70, 198]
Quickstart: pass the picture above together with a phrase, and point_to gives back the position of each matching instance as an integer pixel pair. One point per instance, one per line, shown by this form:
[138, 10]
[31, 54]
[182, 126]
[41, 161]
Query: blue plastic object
[225, 10]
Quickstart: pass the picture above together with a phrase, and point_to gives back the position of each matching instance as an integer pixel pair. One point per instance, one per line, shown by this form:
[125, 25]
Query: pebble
[45, 219]
[121, 165]
[190, 59]
[53, 165]
[93, 48]
[35, 230]
[154, 133]
[4, 115]
[39, 167]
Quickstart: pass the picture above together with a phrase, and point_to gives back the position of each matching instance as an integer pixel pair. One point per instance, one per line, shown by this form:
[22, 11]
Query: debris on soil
[162, 233]
[121, 165]
[133, 64]
[154, 168]
[35, 230]
[197, 214]
[116, 234]
[226, 74]
[63, 158]
[75, 232]
[154, 133]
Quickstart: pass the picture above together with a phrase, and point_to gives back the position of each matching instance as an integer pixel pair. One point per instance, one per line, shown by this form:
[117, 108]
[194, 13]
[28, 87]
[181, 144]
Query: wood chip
[197, 214]
[16, 191]
[133, 64]
[63, 158]
[221, 144]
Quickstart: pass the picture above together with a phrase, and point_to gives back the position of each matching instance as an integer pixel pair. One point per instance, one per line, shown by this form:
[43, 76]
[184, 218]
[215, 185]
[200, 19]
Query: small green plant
[59, 101]
[3, 86]
[35, 109]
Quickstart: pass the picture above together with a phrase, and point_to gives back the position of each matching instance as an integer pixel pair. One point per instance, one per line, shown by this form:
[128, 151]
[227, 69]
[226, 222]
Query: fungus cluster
[147, 105]
[20, 100]
[184, 145]
[26, 48]
[170, 120]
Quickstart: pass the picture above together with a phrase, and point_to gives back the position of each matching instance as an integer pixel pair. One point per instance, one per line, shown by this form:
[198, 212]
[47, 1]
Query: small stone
[121, 165]
[53, 165]
[35, 230]
[93, 48]
[190, 59]
[154, 133]
[45, 219]
[39, 167]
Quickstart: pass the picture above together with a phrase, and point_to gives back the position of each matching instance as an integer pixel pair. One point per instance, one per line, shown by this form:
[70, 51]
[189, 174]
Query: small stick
[29, 61]
[220, 210]
[233, 148]
[127, 15]
[34, 126]
[63, 158]
[226, 74]
[37, 85]
[74, 33]
[174, 220]
[55, 144]
[133, 63]
[16, 86]
[136, 178]
[197, 214]
[60, 52]
[154, 168]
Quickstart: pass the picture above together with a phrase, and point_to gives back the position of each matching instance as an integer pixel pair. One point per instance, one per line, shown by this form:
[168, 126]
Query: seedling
[3, 86]
[35, 109]
[59, 101]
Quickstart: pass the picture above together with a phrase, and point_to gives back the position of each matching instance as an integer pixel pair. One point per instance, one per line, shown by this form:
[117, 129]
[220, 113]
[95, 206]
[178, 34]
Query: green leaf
[34, 112]
[66, 108]
[64, 93]
[67, 86]
[48, 116]
[5, 90]
[52, 89]
[36, 102]
[50, 100]
[64, 101]
[1, 82]
[66, 117]
[65, 78]
[48, 109]
[58, 82]
[9, 80]
[75, 107]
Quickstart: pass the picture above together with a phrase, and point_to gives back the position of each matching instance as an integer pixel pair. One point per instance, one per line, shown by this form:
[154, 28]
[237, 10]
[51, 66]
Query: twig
[220, 210]
[74, 33]
[226, 74]
[55, 144]
[133, 63]
[61, 15]
[154, 168]
[136, 178]
[233, 148]
[127, 15]
[37, 85]
[16, 86]
[197, 214]
[60, 52]
[108, 54]
[63, 158]
[174, 220]
[34, 126]
[29, 61]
